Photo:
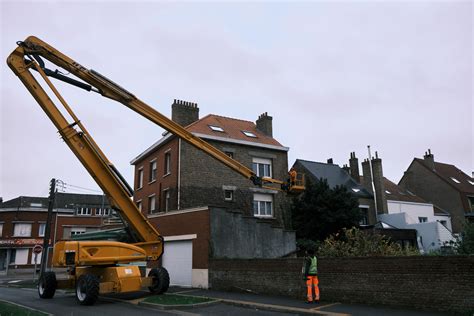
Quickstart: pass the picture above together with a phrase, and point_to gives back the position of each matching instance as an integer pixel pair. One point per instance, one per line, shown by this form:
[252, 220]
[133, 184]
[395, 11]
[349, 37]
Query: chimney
[346, 169]
[184, 113]
[377, 171]
[330, 161]
[429, 159]
[264, 124]
[354, 167]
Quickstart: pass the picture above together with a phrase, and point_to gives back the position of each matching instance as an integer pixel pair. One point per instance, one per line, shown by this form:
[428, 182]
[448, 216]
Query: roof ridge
[231, 118]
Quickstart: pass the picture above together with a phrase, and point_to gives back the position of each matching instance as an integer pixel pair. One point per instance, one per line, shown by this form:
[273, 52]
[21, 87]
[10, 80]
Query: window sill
[138, 189]
[22, 236]
[264, 216]
[169, 173]
[152, 181]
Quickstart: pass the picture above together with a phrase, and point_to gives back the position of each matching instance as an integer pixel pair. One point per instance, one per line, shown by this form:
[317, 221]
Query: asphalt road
[65, 304]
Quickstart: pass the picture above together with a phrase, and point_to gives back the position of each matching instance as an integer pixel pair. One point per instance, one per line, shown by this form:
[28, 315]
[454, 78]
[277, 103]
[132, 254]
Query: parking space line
[324, 306]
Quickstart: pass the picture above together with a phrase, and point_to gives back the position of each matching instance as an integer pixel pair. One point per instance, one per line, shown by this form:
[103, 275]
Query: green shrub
[356, 243]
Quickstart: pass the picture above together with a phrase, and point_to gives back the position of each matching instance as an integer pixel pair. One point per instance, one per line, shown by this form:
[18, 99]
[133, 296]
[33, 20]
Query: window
[77, 231]
[167, 163]
[229, 153]
[84, 211]
[22, 230]
[166, 196]
[471, 202]
[41, 230]
[216, 128]
[102, 211]
[19, 256]
[455, 180]
[444, 223]
[139, 205]
[151, 204]
[249, 134]
[364, 211]
[140, 178]
[262, 205]
[228, 195]
[471, 182]
[153, 168]
[1, 229]
[423, 219]
[262, 167]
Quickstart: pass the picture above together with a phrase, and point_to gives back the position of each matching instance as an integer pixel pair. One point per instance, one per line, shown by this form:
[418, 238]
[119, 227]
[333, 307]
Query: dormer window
[455, 180]
[216, 128]
[249, 134]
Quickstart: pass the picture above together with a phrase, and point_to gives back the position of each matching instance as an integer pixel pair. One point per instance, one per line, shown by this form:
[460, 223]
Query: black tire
[161, 280]
[47, 285]
[87, 289]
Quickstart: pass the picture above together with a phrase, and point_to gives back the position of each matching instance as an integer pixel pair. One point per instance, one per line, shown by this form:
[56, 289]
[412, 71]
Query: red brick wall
[184, 224]
[162, 182]
[423, 282]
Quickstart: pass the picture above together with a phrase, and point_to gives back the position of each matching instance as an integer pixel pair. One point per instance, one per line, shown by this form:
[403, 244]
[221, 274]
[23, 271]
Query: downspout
[179, 172]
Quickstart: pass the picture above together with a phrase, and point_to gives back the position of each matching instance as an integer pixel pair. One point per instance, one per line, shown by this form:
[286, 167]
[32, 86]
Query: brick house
[23, 222]
[205, 209]
[442, 184]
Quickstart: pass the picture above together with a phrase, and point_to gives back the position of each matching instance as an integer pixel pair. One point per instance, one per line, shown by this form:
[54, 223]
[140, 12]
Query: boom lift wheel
[161, 280]
[87, 289]
[47, 285]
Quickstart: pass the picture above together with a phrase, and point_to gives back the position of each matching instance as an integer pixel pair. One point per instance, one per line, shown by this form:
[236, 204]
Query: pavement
[277, 304]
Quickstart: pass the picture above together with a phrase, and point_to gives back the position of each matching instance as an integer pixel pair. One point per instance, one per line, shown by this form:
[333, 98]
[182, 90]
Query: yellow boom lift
[100, 267]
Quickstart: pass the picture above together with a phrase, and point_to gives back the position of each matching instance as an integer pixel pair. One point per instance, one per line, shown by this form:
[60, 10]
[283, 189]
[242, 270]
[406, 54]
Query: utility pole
[47, 230]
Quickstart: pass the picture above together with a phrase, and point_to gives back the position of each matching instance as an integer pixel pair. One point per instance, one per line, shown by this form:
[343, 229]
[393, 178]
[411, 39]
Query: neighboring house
[23, 223]
[444, 185]
[337, 176]
[406, 210]
[205, 209]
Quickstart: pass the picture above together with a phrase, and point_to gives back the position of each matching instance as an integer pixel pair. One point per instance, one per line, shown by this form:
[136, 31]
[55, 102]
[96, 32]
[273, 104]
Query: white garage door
[178, 260]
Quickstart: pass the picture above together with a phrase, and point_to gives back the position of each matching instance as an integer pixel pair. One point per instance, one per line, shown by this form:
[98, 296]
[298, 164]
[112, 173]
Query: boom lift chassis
[100, 267]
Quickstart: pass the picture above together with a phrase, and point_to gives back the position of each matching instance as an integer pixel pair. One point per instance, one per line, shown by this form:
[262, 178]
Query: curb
[26, 307]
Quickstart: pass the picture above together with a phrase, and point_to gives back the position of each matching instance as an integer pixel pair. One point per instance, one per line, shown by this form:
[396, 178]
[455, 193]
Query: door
[178, 260]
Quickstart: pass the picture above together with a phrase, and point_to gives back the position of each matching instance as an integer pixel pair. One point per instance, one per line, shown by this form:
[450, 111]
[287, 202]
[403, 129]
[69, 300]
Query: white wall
[413, 210]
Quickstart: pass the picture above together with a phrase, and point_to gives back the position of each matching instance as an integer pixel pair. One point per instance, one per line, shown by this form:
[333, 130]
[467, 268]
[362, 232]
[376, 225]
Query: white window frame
[1, 229]
[422, 219]
[228, 198]
[22, 230]
[41, 234]
[257, 162]
[166, 196]
[153, 170]
[84, 211]
[249, 134]
[139, 204]
[261, 201]
[216, 128]
[167, 166]
[77, 231]
[150, 204]
[140, 176]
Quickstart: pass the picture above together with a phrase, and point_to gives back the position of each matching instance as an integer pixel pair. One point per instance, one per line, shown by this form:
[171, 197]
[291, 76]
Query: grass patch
[7, 309]
[173, 299]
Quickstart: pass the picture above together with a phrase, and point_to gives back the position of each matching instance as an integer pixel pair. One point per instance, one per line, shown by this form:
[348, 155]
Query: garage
[178, 260]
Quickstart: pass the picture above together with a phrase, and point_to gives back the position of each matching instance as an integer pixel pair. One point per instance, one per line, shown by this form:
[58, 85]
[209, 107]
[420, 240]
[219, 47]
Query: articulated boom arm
[28, 56]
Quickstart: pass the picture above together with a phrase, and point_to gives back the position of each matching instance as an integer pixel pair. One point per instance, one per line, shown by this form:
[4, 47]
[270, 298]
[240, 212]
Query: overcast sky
[336, 76]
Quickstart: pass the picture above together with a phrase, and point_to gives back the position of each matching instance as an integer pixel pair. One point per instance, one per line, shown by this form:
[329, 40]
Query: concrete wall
[430, 283]
[234, 235]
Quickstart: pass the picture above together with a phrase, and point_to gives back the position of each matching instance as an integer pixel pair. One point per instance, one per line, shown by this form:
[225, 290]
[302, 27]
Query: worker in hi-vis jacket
[310, 273]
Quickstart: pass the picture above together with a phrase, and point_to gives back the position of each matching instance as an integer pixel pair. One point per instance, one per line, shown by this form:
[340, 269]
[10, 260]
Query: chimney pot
[184, 112]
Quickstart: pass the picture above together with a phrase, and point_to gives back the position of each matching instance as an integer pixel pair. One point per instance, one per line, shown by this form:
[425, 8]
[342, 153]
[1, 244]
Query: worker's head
[310, 252]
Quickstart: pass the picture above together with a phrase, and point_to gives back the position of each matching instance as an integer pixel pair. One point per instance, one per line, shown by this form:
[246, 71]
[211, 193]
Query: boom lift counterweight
[95, 266]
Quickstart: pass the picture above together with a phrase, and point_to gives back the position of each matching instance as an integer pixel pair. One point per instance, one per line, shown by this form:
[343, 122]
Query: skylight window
[216, 128]
[355, 190]
[388, 192]
[471, 182]
[455, 180]
[249, 134]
